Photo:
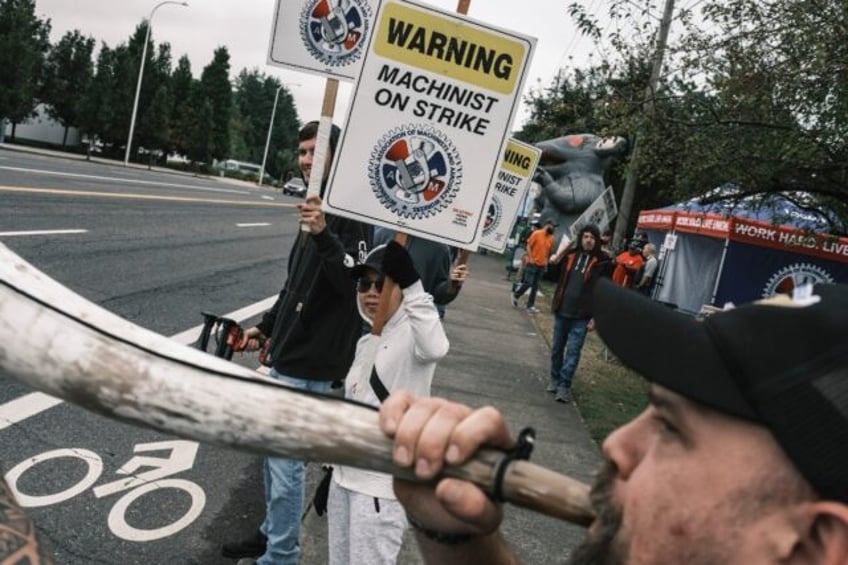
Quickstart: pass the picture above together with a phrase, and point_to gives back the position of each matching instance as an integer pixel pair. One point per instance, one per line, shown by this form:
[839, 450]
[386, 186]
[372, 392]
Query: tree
[217, 92]
[96, 107]
[68, 72]
[24, 39]
[155, 125]
[775, 83]
[182, 113]
[199, 148]
[755, 94]
[254, 100]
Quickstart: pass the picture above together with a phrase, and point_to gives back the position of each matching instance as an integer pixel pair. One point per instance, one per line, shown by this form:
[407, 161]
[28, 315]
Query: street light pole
[141, 73]
[270, 129]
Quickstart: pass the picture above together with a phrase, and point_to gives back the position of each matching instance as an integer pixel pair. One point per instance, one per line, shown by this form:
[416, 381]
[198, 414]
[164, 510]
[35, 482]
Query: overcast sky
[244, 27]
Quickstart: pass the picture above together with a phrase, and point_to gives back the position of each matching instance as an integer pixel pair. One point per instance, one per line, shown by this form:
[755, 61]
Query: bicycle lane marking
[181, 458]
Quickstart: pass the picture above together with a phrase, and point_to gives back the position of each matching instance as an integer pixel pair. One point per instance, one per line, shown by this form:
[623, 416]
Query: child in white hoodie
[366, 522]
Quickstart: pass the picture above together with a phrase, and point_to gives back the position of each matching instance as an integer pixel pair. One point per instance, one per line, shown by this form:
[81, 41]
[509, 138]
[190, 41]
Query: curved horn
[77, 351]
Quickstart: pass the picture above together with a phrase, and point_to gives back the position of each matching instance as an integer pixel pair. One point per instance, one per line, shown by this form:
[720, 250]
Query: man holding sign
[313, 328]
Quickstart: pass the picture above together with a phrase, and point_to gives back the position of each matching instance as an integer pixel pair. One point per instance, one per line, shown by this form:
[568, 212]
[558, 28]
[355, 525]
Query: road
[155, 248]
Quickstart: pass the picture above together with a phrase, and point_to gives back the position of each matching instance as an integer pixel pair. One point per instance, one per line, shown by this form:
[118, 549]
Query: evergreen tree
[254, 100]
[217, 91]
[96, 107]
[182, 114]
[199, 148]
[155, 124]
[24, 40]
[155, 120]
[122, 91]
[68, 72]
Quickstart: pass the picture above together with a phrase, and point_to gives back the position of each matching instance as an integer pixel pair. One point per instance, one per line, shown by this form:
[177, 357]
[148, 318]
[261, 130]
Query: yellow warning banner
[519, 159]
[462, 50]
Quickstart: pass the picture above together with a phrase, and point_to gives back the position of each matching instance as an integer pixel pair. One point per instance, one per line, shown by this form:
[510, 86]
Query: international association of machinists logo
[493, 216]
[334, 31]
[415, 171]
[788, 278]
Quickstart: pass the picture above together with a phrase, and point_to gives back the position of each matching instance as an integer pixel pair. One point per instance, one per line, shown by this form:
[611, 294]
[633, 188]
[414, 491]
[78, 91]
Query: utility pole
[649, 110]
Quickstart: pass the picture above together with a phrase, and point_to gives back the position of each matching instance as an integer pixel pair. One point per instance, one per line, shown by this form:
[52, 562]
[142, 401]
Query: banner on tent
[428, 123]
[766, 235]
[768, 271]
[510, 189]
[321, 37]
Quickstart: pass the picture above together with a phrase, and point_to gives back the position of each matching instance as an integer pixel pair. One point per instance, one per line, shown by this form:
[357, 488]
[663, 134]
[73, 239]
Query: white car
[295, 186]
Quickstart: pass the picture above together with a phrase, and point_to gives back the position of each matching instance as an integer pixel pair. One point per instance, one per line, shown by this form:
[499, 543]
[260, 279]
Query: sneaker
[532, 310]
[552, 387]
[514, 300]
[563, 395]
[253, 546]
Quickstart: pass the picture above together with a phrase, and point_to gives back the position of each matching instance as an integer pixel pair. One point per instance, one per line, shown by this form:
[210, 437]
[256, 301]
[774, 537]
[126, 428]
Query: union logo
[415, 171]
[494, 213]
[788, 278]
[334, 31]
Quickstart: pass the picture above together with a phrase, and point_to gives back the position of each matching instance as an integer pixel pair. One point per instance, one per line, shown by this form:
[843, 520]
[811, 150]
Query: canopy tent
[719, 252]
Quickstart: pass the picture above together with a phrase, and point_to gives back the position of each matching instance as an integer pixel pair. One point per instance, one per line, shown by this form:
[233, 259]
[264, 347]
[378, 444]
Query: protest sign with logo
[325, 37]
[601, 213]
[509, 191]
[428, 120]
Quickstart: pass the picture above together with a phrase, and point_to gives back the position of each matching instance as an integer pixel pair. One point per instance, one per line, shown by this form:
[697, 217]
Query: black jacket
[598, 266]
[314, 325]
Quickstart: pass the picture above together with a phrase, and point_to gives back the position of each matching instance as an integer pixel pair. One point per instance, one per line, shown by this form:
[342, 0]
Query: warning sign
[508, 192]
[429, 117]
[326, 37]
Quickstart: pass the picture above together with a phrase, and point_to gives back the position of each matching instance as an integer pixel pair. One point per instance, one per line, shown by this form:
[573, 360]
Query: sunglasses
[364, 284]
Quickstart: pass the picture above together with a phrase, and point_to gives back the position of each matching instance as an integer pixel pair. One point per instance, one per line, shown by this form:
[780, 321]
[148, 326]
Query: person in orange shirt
[627, 265]
[539, 247]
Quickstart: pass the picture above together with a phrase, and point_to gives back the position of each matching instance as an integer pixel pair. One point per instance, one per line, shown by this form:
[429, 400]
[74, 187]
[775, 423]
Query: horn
[82, 353]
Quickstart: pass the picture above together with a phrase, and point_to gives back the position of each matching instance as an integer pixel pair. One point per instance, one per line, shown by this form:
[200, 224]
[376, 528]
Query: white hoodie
[411, 344]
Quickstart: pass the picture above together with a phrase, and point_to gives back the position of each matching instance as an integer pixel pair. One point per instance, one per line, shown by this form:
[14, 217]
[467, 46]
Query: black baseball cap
[374, 260]
[779, 362]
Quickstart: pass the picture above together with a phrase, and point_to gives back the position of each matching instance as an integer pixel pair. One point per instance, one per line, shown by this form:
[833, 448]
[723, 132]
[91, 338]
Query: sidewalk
[497, 357]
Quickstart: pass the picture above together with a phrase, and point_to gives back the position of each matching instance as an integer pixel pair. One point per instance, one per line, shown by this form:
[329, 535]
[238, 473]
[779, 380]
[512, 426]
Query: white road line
[39, 232]
[34, 403]
[21, 408]
[121, 179]
[256, 225]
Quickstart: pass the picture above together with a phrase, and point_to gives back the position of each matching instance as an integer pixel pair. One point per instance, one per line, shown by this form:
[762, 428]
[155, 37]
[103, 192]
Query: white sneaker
[532, 310]
[514, 299]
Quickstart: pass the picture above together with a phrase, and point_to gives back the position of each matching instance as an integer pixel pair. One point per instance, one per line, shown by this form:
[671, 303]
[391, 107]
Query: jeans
[569, 335]
[532, 275]
[284, 494]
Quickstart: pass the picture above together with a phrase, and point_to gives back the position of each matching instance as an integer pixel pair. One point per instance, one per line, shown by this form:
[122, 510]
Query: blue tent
[739, 251]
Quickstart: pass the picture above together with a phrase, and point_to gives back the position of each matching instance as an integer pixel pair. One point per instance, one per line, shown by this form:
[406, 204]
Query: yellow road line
[135, 196]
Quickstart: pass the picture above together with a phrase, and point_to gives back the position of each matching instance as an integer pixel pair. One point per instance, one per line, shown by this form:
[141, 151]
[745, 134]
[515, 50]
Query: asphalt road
[155, 248]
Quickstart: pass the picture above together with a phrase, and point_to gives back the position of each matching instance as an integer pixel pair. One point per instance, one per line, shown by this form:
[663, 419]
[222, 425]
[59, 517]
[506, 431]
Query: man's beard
[601, 548]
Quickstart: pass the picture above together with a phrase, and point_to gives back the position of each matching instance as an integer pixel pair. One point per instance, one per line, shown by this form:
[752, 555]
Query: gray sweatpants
[362, 531]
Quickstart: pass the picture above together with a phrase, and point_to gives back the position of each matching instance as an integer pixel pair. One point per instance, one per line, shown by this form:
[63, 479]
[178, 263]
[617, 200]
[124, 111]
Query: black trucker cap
[779, 362]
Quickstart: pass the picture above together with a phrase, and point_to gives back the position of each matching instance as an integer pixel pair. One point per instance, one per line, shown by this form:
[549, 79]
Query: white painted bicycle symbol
[180, 459]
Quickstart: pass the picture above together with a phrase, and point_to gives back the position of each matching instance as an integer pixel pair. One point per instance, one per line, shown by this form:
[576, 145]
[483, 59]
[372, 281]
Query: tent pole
[721, 264]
